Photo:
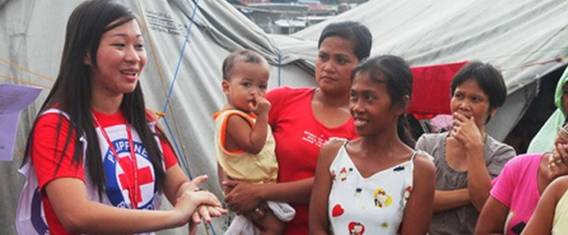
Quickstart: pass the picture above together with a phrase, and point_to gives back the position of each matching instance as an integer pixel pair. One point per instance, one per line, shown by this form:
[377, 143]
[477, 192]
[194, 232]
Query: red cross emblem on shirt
[127, 177]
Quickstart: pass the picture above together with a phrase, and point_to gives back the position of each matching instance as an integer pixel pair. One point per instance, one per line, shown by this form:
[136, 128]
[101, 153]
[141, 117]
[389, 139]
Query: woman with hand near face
[95, 160]
[302, 119]
[541, 142]
[466, 158]
[518, 189]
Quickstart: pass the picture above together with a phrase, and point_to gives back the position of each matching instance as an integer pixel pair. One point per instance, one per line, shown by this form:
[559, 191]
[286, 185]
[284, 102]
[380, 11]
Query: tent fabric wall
[526, 39]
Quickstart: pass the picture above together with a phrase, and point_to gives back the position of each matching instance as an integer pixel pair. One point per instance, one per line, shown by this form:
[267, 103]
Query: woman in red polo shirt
[302, 119]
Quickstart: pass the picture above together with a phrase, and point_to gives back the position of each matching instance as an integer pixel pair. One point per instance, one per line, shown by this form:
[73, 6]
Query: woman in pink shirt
[517, 190]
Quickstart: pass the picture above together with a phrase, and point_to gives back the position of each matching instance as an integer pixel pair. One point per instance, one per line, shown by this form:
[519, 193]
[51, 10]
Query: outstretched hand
[195, 204]
[192, 185]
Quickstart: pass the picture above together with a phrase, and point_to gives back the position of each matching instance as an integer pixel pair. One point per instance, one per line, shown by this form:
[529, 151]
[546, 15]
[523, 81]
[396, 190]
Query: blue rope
[212, 229]
[183, 160]
[170, 91]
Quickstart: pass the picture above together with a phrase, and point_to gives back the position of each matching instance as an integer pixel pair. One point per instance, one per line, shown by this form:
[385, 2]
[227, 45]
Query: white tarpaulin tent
[526, 39]
[516, 35]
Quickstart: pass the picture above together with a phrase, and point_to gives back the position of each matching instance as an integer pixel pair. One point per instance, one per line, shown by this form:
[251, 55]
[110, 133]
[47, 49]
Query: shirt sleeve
[168, 154]
[52, 152]
[170, 158]
[502, 191]
[422, 144]
[275, 96]
[500, 157]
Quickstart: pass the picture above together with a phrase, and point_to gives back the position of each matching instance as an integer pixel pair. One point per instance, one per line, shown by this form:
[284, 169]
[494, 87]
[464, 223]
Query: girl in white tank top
[375, 184]
[374, 204]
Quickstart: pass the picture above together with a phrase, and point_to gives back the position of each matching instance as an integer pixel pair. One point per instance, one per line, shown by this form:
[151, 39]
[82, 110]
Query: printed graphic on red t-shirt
[122, 178]
[312, 138]
[119, 170]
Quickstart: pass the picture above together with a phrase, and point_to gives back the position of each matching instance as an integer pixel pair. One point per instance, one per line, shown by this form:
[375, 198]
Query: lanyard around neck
[132, 187]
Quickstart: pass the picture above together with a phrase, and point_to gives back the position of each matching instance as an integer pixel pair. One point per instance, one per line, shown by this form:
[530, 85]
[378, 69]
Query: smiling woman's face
[120, 60]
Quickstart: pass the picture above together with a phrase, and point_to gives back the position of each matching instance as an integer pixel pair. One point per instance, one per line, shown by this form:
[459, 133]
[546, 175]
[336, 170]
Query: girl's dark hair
[71, 91]
[395, 73]
[358, 34]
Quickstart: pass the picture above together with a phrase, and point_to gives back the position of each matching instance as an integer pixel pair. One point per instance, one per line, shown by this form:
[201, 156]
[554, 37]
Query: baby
[243, 139]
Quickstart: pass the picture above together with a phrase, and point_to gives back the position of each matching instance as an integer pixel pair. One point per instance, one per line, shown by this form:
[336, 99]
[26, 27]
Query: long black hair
[395, 73]
[71, 91]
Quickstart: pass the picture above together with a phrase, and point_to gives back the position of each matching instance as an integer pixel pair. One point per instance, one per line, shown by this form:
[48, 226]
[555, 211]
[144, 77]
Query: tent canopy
[525, 39]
